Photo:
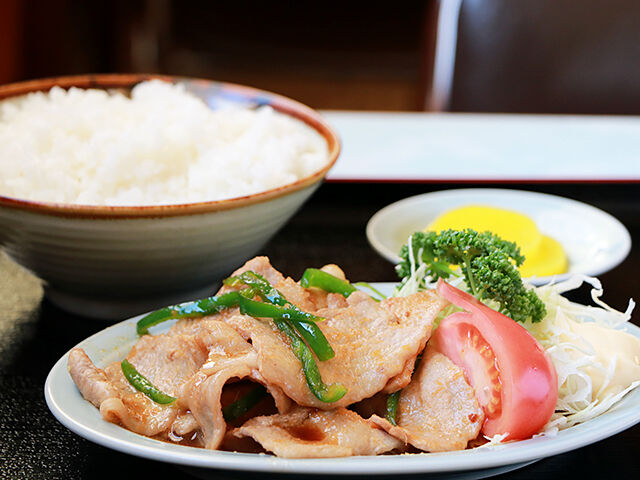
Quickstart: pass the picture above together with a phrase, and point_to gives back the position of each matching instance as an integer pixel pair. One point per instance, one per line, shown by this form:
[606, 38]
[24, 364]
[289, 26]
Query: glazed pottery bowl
[110, 262]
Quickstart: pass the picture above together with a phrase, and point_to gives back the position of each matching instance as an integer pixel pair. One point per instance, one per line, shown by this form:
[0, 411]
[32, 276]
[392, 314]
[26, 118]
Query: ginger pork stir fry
[298, 369]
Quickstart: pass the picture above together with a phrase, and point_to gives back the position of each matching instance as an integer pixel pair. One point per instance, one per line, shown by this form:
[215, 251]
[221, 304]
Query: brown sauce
[308, 433]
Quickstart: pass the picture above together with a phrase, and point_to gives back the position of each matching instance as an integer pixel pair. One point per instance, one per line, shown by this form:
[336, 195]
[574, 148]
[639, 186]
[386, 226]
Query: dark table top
[330, 228]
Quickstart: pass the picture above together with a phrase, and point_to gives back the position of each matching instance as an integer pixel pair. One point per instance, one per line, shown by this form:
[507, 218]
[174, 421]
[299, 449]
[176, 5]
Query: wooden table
[330, 228]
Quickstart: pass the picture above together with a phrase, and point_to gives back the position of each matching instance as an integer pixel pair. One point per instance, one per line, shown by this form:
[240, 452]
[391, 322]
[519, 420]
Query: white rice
[161, 146]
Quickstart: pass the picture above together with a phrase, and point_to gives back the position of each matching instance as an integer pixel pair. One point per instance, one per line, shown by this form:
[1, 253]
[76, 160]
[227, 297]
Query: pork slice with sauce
[165, 361]
[313, 433]
[438, 410]
[192, 362]
[307, 299]
[228, 360]
[375, 344]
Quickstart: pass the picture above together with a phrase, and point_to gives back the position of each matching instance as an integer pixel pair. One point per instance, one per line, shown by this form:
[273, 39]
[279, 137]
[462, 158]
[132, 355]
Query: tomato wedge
[514, 380]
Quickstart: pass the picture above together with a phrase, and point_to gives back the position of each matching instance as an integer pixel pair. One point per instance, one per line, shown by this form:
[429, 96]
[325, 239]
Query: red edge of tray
[484, 180]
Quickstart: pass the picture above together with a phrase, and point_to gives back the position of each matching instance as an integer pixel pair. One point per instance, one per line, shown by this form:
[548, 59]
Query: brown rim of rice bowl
[126, 81]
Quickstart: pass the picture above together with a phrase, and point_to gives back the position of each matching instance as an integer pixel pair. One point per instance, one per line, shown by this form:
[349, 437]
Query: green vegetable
[325, 393]
[309, 330]
[140, 383]
[244, 404]
[287, 317]
[487, 263]
[261, 285]
[267, 292]
[198, 308]
[373, 289]
[279, 307]
[294, 323]
[392, 407]
[312, 277]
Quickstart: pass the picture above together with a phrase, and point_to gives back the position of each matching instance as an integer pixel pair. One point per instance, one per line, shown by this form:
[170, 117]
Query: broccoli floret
[488, 264]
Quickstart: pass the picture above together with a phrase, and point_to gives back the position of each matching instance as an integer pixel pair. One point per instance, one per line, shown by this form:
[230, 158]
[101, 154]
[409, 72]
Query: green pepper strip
[392, 407]
[325, 393]
[312, 277]
[244, 404]
[198, 308]
[309, 330]
[267, 291]
[302, 321]
[288, 318]
[140, 383]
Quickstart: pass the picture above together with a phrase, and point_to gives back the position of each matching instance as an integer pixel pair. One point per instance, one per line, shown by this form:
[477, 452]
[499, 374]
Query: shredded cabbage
[497, 439]
[574, 356]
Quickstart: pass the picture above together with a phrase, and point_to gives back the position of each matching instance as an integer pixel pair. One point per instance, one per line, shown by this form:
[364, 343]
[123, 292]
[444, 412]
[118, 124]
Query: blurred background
[534, 56]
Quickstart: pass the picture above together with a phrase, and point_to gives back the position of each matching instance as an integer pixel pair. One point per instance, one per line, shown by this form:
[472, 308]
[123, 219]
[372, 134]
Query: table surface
[330, 228]
[485, 147]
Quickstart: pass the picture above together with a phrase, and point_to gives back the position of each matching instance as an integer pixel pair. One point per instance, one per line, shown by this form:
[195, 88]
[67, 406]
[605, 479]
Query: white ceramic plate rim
[500, 197]
[68, 406]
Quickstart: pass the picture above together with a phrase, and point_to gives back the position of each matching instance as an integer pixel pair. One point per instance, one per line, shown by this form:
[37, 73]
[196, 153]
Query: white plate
[113, 343]
[594, 241]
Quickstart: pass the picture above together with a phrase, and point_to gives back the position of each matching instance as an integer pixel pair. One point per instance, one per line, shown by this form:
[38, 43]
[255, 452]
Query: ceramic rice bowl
[112, 262]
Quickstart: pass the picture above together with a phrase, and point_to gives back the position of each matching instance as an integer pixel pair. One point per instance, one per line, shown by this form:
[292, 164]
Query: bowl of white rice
[127, 192]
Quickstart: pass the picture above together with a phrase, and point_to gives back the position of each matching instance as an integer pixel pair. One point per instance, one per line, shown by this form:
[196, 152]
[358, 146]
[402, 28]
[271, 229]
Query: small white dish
[113, 343]
[594, 241]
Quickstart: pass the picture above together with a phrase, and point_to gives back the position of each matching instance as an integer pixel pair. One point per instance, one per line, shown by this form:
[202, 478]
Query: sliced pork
[438, 411]
[313, 433]
[374, 343]
[307, 299]
[166, 361]
[192, 362]
[133, 409]
[291, 290]
[90, 380]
